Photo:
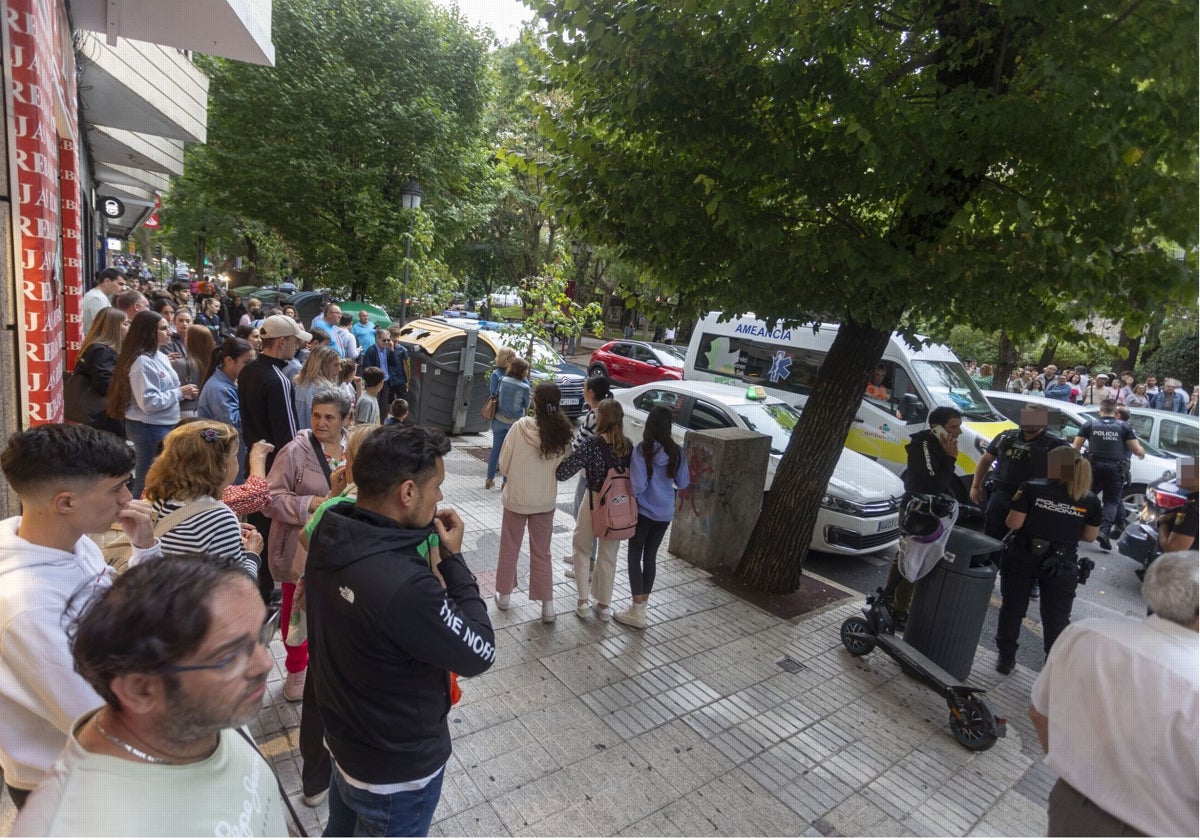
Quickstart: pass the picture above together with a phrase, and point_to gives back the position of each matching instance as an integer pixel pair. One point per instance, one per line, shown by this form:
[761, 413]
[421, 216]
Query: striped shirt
[215, 532]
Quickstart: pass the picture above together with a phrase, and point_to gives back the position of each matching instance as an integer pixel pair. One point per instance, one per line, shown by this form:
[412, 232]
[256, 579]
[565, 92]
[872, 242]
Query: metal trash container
[950, 603]
[450, 367]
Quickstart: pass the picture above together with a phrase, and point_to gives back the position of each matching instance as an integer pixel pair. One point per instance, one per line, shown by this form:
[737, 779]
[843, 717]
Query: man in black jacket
[393, 361]
[268, 410]
[393, 611]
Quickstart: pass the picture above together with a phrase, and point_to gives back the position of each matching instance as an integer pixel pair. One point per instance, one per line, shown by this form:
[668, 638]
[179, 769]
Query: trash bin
[951, 602]
[450, 367]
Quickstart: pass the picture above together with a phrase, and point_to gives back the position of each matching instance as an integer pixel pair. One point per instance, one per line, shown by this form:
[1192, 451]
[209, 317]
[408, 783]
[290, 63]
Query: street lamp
[410, 199]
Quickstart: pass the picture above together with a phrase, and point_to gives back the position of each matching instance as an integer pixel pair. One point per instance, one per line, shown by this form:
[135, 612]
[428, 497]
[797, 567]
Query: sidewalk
[690, 728]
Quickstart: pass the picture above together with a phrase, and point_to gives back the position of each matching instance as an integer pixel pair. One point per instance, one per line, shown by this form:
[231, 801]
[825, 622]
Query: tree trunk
[774, 557]
[1047, 354]
[1132, 345]
[1006, 360]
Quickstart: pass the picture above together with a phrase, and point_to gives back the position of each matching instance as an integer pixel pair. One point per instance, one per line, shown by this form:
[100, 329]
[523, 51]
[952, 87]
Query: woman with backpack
[658, 468]
[533, 449]
[605, 458]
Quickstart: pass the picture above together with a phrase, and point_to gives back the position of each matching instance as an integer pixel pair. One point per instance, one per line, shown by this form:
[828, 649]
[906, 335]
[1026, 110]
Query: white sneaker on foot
[635, 616]
[603, 613]
[501, 600]
[583, 609]
[548, 614]
[570, 573]
[293, 687]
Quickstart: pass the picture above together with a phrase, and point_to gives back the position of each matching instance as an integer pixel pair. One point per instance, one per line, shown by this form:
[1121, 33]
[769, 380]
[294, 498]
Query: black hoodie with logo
[383, 636]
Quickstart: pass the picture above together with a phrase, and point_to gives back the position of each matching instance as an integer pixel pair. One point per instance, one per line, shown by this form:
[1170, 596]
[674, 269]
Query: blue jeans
[145, 438]
[354, 812]
[499, 433]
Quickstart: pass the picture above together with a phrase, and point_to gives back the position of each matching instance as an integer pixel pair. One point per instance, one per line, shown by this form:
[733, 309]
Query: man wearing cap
[1099, 390]
[269, 408]
[110, 282]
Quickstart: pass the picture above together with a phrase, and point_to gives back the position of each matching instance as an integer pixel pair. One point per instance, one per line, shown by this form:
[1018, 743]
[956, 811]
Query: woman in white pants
[606, 449]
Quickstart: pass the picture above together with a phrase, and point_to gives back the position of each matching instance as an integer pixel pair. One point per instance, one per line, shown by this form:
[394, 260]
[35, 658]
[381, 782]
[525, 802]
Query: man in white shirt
[178, 650]
[110, 282]
[72, 481]
[1115, 709]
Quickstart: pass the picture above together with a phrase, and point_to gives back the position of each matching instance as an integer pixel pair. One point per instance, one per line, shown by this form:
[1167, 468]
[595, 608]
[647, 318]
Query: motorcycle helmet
[918, 522]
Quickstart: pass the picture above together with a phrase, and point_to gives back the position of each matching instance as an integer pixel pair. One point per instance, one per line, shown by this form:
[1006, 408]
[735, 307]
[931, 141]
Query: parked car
[628, 362]
[505, 296]
[545, 363]
[1066, 419]
[859, 511]
[1174, 433]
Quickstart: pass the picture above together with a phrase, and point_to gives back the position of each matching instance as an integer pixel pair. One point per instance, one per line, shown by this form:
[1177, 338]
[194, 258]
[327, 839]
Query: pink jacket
[295, 478]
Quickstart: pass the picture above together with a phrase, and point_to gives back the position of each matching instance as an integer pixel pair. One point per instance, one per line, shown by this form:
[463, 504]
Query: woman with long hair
[658, 469]
[209, 317]
[145, 391]
[504, 357]
[301, 479]
[532, 451]
[192, 369]
[595, 389]
[513, 395]
[179, 325]
[250, 333]
[1049, 518]
[218, 392]
[86, 399]
[319, 372]
[606, 449]
[198, 461]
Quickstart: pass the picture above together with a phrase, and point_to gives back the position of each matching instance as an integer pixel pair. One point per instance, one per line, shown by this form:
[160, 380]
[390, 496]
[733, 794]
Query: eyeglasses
[237, 661]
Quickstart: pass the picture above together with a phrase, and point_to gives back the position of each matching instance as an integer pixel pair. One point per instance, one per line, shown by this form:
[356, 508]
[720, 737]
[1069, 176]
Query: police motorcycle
[1139, 542]
[926, 521]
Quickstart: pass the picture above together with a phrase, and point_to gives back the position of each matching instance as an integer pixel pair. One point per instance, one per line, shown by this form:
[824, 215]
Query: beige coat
[530, 485]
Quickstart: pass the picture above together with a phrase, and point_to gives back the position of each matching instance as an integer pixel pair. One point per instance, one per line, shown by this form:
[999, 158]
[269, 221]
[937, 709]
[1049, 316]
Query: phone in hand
[940, 433]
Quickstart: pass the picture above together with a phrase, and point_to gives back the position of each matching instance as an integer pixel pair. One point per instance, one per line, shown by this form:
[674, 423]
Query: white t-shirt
[93, 303]
[1123, 699]
[230, 793]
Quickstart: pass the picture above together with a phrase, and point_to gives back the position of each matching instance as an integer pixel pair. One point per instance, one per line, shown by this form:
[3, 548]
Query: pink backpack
[614, 507]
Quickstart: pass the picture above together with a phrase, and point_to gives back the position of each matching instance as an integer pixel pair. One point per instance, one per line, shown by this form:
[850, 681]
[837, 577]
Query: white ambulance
[908, 384]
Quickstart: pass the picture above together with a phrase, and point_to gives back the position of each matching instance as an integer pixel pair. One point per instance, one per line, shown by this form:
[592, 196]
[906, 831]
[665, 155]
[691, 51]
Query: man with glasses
[392, 360]
[72, 481]
[178, 651]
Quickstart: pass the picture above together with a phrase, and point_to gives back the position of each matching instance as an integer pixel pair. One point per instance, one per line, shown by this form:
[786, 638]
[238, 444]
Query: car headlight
[832, 502]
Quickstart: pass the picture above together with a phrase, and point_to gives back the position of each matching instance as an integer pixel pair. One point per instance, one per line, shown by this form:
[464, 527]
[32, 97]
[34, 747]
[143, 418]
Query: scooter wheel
[973, 724]
[857, 646]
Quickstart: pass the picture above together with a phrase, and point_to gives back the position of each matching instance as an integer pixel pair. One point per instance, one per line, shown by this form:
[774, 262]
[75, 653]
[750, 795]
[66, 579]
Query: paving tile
[538, 800]
[685, 759]
[512, 770]
[854, 816]
[480, 821]
[569, 731]
[813, 794]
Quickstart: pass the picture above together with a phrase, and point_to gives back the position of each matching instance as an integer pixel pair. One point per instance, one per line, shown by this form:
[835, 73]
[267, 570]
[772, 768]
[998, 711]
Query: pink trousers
[512, 533]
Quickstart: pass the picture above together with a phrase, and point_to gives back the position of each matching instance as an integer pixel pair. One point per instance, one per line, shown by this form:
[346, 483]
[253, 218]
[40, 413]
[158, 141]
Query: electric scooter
[972, 720]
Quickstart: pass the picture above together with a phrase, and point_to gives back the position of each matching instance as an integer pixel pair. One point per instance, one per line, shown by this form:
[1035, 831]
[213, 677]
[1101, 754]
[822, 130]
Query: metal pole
[404, 291]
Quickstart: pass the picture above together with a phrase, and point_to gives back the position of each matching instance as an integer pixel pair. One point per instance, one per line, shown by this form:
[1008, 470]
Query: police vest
[1106, 438]
[1051, 514]
[1019, 460]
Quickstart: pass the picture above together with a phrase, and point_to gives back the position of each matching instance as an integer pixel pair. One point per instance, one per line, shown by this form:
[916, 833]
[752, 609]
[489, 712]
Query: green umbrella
[377, 314]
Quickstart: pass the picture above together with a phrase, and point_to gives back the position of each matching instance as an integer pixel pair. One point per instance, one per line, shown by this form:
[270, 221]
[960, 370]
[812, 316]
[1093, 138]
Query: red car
[627, 362]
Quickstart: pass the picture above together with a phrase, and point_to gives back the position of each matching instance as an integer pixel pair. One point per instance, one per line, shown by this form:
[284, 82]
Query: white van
[786, 363]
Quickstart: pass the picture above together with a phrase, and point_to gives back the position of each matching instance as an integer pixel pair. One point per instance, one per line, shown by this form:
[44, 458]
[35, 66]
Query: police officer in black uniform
[1020, 456]
[1048, 519]
[1178, 527]
[1108, 438]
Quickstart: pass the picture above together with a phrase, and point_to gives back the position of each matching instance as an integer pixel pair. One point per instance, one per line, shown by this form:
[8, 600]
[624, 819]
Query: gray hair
[329, 396]
[1172, 586]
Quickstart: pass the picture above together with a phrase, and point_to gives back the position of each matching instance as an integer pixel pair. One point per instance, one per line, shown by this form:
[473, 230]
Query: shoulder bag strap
[316, 445]
[177, 517]
[279, 784]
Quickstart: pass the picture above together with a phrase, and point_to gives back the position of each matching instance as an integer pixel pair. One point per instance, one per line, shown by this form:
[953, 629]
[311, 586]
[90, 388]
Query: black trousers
[999, 504]
[1108, 482]
[643, 554]
[266, 583]
[1019, 571]
[316, 767]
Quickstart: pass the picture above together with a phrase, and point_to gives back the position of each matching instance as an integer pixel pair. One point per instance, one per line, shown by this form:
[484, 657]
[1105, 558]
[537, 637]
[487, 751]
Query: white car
[859, 512]
[1177, 434]
[1066, 419]
[505, 296]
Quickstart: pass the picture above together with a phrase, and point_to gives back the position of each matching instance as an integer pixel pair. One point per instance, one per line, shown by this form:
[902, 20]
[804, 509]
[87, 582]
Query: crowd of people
[1082, 388]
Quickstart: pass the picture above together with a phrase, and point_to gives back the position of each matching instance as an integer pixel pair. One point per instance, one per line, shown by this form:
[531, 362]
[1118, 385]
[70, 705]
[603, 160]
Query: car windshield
[776, 420]
[949, 385]
[670, 354]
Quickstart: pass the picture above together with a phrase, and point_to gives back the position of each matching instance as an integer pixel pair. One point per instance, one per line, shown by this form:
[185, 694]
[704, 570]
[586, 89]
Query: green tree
[936, 162]
[365, 95]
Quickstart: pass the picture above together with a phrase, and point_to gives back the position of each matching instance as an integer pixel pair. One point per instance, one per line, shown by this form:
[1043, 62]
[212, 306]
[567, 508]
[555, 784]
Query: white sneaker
[570, 573]
[603, 613]
[548, 614]
[635, 616]
[293, 687]
[583, 610]
[501, 601]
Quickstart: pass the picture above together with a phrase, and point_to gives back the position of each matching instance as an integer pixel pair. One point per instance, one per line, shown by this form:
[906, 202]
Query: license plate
[569, 401]
[888, 524]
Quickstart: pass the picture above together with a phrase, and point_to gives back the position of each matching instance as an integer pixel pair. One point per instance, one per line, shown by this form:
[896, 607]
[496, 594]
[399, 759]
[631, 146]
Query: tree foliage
[365, 95]
[1007, 165]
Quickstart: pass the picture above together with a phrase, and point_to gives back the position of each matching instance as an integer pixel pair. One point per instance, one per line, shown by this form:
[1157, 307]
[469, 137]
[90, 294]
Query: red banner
[71, 219]
[43, 84]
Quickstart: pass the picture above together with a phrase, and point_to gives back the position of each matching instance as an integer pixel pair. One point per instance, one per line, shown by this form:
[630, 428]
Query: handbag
[81, 403]
[488, 412]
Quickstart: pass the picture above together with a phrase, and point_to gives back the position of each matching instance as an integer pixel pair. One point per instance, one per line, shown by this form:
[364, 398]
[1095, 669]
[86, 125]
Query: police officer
[1049, 517]
[1020, 456]
[1108, 438]
[1178, 527]
[1121, 520]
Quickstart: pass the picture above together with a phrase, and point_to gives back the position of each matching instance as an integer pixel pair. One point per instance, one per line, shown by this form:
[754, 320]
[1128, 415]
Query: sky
[504, 17]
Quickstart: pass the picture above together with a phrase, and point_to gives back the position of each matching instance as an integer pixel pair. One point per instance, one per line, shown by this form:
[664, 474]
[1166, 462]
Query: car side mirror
[654, 363]
[912, 410]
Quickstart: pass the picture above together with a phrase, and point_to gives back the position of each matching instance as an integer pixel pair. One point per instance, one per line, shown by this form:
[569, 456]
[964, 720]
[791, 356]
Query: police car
[860, 509]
